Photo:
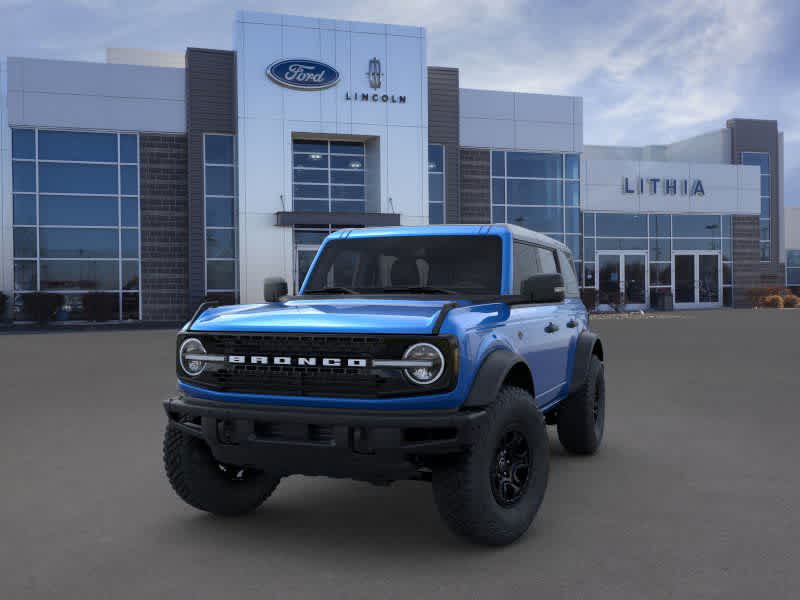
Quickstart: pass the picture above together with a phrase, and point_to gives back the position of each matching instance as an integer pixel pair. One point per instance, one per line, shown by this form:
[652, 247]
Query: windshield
[434, 264]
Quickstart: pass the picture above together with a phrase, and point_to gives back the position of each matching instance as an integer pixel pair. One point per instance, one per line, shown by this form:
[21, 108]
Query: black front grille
[294, 380]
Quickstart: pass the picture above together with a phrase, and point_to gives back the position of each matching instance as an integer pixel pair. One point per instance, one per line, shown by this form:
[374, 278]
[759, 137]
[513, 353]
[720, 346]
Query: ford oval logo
[303, 74]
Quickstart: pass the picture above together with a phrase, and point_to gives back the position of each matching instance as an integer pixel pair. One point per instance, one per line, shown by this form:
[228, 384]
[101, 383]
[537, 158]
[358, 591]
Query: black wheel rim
[510, 472]
[598, 406]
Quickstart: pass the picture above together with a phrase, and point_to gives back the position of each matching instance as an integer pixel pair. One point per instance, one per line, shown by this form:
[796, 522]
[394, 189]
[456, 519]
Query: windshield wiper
[331, 290]
[420, 289]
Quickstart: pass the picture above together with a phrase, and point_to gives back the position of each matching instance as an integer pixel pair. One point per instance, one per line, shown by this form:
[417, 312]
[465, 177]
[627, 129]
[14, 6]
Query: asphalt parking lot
[695, 493]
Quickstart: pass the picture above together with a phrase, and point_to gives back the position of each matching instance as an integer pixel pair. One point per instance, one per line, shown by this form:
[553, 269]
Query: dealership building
[163, 179]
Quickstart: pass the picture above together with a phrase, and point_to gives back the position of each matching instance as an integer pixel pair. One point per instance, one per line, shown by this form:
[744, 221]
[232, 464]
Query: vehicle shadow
[319, 518]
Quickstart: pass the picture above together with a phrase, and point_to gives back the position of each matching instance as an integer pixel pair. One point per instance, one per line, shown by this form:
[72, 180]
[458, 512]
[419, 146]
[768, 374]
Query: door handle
[572, 323]
[551, 328]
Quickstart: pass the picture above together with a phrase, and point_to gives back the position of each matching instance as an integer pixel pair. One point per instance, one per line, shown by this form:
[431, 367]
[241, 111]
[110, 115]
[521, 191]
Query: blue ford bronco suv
[434, 353]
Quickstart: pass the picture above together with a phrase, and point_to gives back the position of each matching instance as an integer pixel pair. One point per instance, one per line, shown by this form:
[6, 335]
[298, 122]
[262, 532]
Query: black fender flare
[588, 345]
[490, 377]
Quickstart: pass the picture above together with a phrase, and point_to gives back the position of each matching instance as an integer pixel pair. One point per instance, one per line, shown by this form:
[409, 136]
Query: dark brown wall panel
[210, 108]
[475, 199]
[163, 198]
[443, 129]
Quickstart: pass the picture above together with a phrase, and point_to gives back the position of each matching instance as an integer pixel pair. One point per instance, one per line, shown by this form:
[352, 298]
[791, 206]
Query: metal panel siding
[210, 108]
[475, 183]
[443, 128]
[753, 135]
[164, 227]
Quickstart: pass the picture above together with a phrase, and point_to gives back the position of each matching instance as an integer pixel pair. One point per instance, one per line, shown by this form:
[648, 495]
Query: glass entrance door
[622, 280]
[697, 279]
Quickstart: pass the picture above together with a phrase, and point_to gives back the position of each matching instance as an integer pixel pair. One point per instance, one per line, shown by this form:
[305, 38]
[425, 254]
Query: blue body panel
[480, 329]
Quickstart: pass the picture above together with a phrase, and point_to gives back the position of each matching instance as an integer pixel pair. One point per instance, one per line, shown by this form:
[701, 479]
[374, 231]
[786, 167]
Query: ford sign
[303, 74]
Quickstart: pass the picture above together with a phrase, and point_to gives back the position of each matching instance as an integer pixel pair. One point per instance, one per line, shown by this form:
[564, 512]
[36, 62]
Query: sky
[649, 72]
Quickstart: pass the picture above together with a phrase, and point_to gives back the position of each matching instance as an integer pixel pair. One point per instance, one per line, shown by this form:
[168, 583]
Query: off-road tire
[463, 485]
[581, 417]
[203, 483]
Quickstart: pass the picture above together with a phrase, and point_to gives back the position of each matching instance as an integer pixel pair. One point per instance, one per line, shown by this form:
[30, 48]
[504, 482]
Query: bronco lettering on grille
[299, 361]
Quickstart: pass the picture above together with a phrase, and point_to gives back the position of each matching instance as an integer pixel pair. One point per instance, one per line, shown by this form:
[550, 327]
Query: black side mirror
[274, 288]
[544, 287]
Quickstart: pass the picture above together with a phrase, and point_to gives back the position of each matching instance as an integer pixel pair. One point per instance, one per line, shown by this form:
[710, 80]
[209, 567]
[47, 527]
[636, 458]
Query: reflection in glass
[77, 146]
[57, 242]
[66, 178]
[221, 274]
[77, 210]
[80, 275]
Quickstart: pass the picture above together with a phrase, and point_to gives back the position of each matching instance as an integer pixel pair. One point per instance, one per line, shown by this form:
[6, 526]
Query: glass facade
[76, 219]
[793, 268]
[761, 160]
[540, 191]
[436, 184]
[221, 223]
[659, 235]
[328, 176]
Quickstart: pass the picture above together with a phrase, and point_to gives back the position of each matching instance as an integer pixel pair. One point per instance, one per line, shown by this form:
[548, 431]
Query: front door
[697, 279]
[622, 280]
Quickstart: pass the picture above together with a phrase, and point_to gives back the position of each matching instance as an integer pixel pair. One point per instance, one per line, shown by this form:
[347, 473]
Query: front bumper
[374, 446]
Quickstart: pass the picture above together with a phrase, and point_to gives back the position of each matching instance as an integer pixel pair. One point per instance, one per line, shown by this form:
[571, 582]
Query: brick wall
[475, 199]
[746, 254]
[165, 230]
[748, 271]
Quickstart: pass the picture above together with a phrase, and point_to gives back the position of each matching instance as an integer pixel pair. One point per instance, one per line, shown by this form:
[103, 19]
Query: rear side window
[570, 279]
[547, 260]
[526, 264]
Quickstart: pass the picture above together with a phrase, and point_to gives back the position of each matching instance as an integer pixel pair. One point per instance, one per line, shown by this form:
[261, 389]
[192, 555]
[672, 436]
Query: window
[328, 176]
[375, 265]
[570, 278]
[660, 235]
[793, 268]
[436, 184]
[540, 191]
[219, 158]
[762, 160]
[76, 218]
[526, 264]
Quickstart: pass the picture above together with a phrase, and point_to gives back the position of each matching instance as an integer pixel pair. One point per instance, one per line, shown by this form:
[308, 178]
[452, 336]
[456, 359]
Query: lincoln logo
[374, 74]
[295, 361]
[301, 74]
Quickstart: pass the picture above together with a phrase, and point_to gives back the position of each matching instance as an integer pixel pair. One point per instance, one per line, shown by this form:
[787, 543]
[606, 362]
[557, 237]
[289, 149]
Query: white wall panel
[541, 107]
[363, 47]
[53, 93]
[486, 133]
[539, 135]
[407, 80]
[270, 115]
[486, 104]
[535, 121]
[723, 186]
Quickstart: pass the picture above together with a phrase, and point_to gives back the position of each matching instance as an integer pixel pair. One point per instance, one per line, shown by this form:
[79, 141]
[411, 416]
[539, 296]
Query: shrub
[41, 306]
[773, 301]
[99, 306]
[3, 306]
[790, 301]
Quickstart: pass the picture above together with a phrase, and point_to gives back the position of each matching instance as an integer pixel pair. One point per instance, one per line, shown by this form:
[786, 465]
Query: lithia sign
[306, 74]
[667, 186]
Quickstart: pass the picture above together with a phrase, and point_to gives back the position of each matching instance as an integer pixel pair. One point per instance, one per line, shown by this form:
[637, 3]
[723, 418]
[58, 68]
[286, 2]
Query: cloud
[649, 72]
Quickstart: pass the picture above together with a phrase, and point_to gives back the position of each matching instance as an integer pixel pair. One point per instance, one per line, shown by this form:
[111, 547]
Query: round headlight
[425, 353]
[191, 355]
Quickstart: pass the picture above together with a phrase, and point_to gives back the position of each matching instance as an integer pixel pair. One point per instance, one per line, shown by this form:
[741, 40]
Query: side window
[526, 263]
[570, 279]
[547, 260]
